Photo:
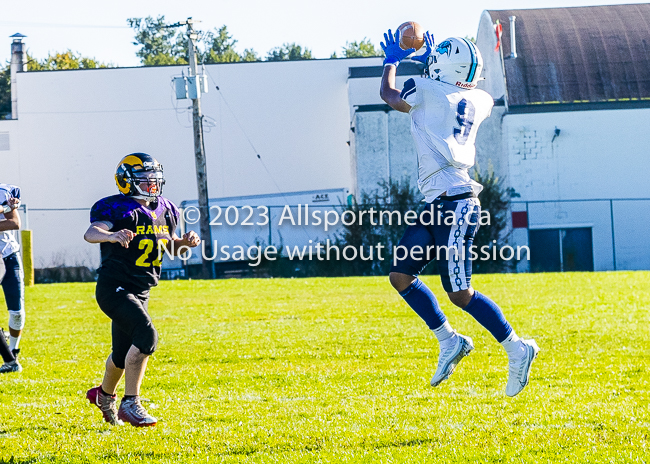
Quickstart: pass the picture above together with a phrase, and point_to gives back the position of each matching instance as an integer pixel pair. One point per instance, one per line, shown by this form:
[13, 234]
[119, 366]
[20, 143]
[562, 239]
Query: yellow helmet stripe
[125, 190]
[132, 160]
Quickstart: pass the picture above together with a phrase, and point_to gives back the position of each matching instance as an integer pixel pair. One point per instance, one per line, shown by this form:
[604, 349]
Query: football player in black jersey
[133, 227]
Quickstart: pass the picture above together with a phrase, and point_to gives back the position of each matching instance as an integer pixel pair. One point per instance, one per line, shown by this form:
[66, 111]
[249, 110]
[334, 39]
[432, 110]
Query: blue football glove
[394, 53]
[428, 41]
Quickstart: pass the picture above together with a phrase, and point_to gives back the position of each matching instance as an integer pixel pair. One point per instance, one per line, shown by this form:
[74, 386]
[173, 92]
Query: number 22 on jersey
[147, 245]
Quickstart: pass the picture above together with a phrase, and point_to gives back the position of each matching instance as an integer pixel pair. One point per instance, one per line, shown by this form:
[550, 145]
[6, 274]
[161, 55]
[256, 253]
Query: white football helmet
[455, 61]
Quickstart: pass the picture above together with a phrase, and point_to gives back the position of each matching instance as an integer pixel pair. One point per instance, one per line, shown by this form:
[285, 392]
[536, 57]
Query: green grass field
[337, 370]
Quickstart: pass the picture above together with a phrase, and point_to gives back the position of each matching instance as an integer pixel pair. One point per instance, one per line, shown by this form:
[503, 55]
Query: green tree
[64, 60]
[250, 55]
[159, 44]
[496, 201]
[390, 195]
[221, 47]
[289, 51]
[360, 49]
[5, 92]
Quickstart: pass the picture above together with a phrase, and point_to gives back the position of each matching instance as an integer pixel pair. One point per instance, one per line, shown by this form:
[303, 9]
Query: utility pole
[199, 157]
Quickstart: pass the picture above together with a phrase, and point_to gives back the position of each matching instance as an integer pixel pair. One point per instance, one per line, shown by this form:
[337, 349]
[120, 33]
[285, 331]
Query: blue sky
[98, 29]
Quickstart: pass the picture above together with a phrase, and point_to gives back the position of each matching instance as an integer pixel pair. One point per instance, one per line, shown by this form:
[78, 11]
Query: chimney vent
[513, 38]
[18, 59]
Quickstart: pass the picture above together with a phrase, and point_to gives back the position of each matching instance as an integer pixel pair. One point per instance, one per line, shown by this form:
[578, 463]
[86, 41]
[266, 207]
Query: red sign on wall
[519, 219]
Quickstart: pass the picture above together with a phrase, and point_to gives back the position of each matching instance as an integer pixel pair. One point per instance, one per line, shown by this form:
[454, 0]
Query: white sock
[14, 342]
[513, 346]
[445, 334]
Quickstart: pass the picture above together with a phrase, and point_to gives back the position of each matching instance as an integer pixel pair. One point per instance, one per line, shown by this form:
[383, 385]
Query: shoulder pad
[409, 89]
[112, 208]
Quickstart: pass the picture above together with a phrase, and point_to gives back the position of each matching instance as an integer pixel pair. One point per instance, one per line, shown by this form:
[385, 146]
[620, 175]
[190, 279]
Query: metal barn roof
[578, 55]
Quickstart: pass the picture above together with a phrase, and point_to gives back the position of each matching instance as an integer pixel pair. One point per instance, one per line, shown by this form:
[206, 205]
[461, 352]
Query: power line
[86, 26]
[241, 128]
[139, 110]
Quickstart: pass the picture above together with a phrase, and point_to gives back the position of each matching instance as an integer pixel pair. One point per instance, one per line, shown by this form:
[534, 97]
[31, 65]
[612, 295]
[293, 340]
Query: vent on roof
[513, 38]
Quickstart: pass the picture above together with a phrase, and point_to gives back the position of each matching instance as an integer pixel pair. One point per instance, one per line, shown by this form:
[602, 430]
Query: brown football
[411, 35]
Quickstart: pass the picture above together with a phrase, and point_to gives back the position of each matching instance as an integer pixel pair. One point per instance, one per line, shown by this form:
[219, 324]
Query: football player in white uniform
[446, 110]
[10, 363]
[13, 280]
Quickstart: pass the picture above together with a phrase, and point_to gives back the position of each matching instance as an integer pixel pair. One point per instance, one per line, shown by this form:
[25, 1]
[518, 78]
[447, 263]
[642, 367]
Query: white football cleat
[131, 411]
[450, 357]
[519, 369]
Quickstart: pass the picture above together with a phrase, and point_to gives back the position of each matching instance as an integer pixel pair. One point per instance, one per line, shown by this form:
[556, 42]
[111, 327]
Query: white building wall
[631, 219]
[382, 147]
[74, 127]
[597, 155]
[9, 148]
[383, 150]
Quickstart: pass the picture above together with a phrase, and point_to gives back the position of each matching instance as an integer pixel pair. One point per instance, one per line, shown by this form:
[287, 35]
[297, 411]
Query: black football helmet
[139, 175]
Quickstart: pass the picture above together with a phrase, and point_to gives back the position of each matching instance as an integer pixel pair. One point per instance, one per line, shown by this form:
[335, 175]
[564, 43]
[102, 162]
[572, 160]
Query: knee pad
[118, 360]
[17, 319]
[145, 338]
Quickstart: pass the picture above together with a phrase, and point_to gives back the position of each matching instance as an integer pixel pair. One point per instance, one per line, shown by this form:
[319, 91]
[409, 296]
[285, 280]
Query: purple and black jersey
[138, 266]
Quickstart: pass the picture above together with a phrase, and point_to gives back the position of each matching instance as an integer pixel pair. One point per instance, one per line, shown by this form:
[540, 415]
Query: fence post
[26, 216]
[611, 215]
[528, 233]
[270, 220]
[28, 257]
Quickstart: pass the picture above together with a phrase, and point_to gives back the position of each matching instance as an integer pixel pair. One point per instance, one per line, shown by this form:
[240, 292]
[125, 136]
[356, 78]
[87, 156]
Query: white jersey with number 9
[444, 123]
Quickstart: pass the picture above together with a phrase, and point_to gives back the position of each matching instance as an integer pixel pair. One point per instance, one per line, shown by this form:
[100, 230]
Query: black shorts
[131, 323]
[447, 241]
